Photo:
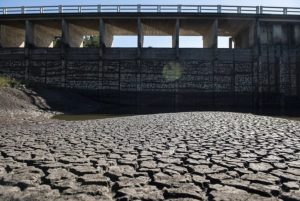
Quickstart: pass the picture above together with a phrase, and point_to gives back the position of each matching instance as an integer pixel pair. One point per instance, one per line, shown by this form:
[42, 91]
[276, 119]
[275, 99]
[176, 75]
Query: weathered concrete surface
[45, 33]
[188, 156]
[12, 34]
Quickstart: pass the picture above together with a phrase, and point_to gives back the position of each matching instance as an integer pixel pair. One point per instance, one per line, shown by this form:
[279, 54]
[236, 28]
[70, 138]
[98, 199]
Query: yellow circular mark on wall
[172, 71]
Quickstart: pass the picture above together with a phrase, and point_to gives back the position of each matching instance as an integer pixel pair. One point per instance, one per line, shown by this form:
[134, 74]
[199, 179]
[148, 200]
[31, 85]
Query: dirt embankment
[41, 103]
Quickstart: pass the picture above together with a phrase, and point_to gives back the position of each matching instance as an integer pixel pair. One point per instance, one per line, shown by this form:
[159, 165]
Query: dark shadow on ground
[85, 104]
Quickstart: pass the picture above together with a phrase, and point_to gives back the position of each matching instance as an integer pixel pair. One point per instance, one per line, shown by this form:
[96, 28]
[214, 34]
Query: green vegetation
[57, 41]
[172, 71]
[10, 82]
[91, 41]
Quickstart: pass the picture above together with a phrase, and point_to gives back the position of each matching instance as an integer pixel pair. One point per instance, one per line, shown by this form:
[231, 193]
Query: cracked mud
[183, 156]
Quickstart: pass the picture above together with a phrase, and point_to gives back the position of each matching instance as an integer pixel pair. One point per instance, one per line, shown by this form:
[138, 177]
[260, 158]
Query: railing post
[257, 9]
[179, 8]
[139, 8]
[5, 11]
[158, 8]
[79, 9]
[41, 10]
[219, 9]
[199, 9]
[23, 10]
[99, 8]
[60, 9]
[261, 9]
[285, 11]
[118, 9]
[239, 9]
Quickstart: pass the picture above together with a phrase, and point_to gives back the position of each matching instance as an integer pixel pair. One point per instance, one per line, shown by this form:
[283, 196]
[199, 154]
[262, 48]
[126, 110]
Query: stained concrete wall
[210, 38]
[12, 34]
[77, 29]
[41, 33]
[45, 33]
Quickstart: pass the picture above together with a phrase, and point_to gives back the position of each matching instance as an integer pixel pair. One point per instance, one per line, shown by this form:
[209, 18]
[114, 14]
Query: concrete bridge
[261, 69]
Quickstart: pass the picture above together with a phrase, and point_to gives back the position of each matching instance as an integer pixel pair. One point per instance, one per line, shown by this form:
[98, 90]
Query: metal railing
[150, 9]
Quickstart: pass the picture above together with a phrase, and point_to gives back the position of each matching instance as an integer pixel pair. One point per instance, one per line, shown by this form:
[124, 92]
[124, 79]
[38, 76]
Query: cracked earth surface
[181, 156]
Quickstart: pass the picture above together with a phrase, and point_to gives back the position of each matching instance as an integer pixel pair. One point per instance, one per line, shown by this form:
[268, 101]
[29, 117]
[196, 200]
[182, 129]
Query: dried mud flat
[179, 156]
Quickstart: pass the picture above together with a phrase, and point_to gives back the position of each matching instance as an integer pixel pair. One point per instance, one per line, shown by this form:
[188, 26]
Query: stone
[81, 170]
[186, 191]
[292, 185]
[260, 167]
[96, 179]
[227, 193]
[150, 193]
[132, 182]
[261, 178]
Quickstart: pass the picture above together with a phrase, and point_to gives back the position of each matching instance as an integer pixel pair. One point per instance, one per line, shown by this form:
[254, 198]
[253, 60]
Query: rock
[227, 193]
[150, 193]
[292, 185]
[204, 169]
[162, 179]
[23, 177]
[133, 182]
[148, 164]
[186, 191]
[96, 179]
[260, 167]
[261, 178]
[81, 170]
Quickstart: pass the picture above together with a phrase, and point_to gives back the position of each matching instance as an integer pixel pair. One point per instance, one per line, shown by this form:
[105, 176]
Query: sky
[129, 41]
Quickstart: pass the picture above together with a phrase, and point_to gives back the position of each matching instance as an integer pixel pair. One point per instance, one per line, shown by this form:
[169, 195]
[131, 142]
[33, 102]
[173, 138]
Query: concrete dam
[259, 70]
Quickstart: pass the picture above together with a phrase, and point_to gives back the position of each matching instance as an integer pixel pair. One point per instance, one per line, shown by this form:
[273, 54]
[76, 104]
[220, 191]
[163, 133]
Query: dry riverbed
[176, 156]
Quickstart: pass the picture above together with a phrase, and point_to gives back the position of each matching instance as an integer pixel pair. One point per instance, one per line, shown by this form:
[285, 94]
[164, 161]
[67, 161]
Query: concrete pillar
[65, 33]
[106, 36]
[210, 39]
[45, 33]
[12, 34]
[252, 34]
[175, 36]
[29, 34]
[242, 39]
[0, 36]
[140, 33]
[264, 33]
[297, 34]
[277, 34]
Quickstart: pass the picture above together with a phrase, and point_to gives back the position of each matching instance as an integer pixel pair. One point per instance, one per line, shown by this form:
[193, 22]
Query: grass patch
[10, 82]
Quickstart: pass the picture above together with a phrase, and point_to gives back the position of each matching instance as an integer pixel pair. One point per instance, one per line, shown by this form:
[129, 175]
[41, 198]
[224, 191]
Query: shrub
[10, 82]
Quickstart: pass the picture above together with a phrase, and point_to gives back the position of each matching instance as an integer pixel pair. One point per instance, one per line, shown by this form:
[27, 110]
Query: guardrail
[150, 9]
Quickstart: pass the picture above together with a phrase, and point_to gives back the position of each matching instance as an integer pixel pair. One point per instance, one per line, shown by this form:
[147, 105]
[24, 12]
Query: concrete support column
[277, 34]
[140, 33]
[65, 33]
[297, 34]
[106, 36]
[175, 37]
[252, 34]
[29, 34]
[242, 39]
[210, 39]
[0, 36]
